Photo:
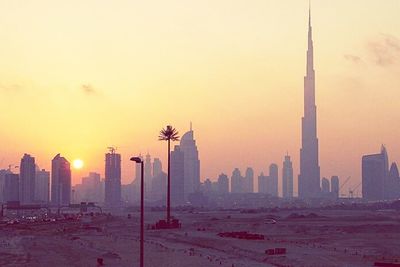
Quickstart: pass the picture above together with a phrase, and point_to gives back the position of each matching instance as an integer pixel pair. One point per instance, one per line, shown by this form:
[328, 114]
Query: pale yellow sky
[78, 76]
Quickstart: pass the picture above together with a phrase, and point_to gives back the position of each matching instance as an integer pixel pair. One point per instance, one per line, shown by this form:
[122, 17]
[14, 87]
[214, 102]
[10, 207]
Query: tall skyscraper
[11, 187]
[287, 178]
[157, 167]
[3, 173]
[272, 181]
[113, 179]
[236, 181]
[335, 186]
[249, 180]
[91, 187]
[309, 177]
[393, 183]
[60, 181]
[147, 173]
[378, 182]
[191, 162]
[42, 186]
[177, 177]
[262, 183]
[27, 179]
[223, 184]
[325, 187]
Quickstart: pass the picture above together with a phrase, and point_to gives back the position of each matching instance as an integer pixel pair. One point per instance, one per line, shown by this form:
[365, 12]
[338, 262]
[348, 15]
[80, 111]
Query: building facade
[112, 197]
[287, 178]
[27, 179]
[60, 181]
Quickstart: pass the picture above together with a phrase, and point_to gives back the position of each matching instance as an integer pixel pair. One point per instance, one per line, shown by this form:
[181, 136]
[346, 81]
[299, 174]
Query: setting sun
[77, 163]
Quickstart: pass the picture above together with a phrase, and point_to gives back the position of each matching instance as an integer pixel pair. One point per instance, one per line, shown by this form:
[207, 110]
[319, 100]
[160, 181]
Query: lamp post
[139, 160]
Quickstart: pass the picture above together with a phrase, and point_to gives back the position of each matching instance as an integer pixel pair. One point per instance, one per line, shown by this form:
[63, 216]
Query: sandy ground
[328, 238]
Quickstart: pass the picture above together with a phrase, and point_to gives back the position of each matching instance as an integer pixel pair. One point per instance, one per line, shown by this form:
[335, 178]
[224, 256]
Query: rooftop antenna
[190, 126]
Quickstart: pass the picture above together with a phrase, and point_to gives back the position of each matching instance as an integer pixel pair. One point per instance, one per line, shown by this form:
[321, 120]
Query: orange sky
[78, 76]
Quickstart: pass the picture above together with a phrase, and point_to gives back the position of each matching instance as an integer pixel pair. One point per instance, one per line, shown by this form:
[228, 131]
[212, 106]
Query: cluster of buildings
[32, 185]
[185, 175]
[379, 182]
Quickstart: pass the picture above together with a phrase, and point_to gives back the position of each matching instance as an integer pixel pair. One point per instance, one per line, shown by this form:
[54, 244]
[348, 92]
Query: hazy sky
[78, 76]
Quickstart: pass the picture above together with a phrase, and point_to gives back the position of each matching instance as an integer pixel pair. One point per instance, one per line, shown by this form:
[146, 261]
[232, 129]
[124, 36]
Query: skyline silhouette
[270, 105]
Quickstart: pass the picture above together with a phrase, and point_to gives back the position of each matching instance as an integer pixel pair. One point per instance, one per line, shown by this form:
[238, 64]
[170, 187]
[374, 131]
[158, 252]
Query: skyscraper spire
[309, 178]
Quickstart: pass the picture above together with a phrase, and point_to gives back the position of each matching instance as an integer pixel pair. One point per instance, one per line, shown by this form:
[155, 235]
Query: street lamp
[139, 160]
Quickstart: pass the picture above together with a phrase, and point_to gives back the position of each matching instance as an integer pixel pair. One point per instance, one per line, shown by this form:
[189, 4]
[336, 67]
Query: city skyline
[274, 127]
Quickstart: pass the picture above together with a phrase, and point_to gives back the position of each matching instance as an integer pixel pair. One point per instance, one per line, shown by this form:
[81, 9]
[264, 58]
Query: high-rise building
[177, 177]
[374, 171]
[223, 184]
[378, 182]
[236, 181]
[27, 179]
[262, 183]
[335, 186]
[157, 167]
[272, 180]
[60, 181]
[287, 178]
[3, 173]
[42, 186]
[325, 187]
[91, 187]
[249, 180]
[159, 187]
[113, 179]
[11, 187]
[393, 183]
[309, 177]
[147, 173]
[191, 162]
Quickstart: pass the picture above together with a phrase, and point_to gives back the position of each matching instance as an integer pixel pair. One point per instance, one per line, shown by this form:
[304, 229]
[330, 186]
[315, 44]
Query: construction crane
[112, 149]
[351, 191]
[345, 182]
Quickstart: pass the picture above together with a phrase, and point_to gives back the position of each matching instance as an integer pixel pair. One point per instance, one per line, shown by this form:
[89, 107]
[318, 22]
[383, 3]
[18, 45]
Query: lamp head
[136, 159]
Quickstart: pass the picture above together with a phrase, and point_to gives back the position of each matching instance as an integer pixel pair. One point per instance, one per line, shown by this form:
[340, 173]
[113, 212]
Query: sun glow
[77, 163]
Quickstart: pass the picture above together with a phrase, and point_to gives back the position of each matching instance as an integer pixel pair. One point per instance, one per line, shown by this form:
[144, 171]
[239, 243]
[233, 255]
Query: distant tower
[375, 170]
[177, 177]
[60, 181]
[325, 186]
[393, 183]
[27, 179]
[191, 162]
[157, 167]
[113, 179]
[249, 180]
[236, 181]
[272, 181]
[42, 186]
[335, 186]
[147, 173]
[287, 178]
[309, 177]
[11, 187]
[262, 183]
[223, 184]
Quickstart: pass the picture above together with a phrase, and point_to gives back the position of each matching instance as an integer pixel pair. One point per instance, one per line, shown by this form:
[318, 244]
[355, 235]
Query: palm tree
[169, 134]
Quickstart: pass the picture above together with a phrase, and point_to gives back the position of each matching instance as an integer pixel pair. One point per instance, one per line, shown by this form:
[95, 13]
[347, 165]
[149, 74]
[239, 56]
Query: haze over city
[77, 77]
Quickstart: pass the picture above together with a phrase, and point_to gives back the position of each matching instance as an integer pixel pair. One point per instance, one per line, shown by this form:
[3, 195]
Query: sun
[77, 163]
